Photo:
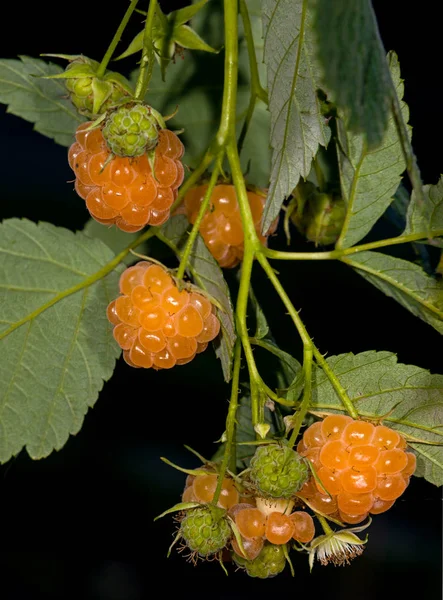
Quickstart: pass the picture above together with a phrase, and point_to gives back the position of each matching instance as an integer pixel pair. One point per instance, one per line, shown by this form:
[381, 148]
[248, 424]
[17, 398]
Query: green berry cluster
[131, 130]
[278, 471]
[205, 530]
[270, 562]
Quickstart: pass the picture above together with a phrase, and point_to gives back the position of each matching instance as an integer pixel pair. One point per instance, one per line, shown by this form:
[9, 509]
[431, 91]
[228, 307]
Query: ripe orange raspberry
[157, 325]
[121, 190]
[221, 227]
[361, 468]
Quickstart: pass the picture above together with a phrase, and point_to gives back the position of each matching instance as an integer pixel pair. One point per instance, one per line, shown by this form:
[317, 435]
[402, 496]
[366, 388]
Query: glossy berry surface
[363, 467]
[221, 227]
[157, 325]
[126, 192]
[277, 471]
[205, 530]
[270, 562]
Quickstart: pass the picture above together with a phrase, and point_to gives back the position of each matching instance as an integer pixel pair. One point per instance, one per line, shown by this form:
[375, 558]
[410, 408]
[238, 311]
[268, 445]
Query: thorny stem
[201, 213]
[307, 341]
[306, 399]
[148, 55]
[115, 40]
[230, 422]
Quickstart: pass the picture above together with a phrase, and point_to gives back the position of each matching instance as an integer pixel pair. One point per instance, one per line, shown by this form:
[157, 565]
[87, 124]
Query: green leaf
[188, 38]
[116, 239]
[404, 281]
[408, 398]
[354, 66]
[297, 124]
[245, 433]
[43, 102]
[183, 15]
[135, 46]
[57, 344]
[369, 178]
[261, 324]
[428, 218]
[208, 275]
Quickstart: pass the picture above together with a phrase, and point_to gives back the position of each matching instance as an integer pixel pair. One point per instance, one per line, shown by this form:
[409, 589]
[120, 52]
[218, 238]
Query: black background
[79, 524]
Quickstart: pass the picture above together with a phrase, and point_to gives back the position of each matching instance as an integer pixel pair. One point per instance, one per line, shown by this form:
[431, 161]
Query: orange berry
[381, 506]
[230, 231]
[153, 319]
[182, 347]
[279, 528]
[126, 312]
[333, 425]
[313, 455]
[135, 215]
[165, 170]
[224, 199]
[112, 315]
[124, 335]
[188, 495]
[132, 277]
[169, 329]
[121, 224]
[94, 141]
[229, 495]
[304, 528]
[98, 208]
[189, 322]
[140, 357]
[411, 464]
[169, 144]
[201, 303]
[142, 298]
[81, 168]
[128, 360]
[157, 280]
[164, 360]
[331, 481]
[402, 443]
[204, 487]
[97, 168]
[354, 504]
[358, 433]
[158, 217]
[81, 189]
[73, 152]
[313, 436]
[152, 341]
[251, 523]
[352, 519]
[334, 455]
[301, 447]
[120, 173]
[211, 329]
[116, 197]
[390, 487]
[385, 438]
[180, 175]
[323, 503]
[252, 547]
[236, 508]
[173, 300]
[391, 461]
[359, 482]
[201, 347]
[363, 456]
[163, 200]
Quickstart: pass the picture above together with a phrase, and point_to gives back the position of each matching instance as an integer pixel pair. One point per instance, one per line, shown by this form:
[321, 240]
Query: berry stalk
[304, 406]
[201, 213]
[148, 54]
[115, 40]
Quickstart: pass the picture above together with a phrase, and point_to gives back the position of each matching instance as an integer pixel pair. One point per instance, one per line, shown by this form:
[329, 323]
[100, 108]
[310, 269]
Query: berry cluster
[257, 527]
[126, 191]
[221, 227]
[269, 562]
[363, 467]
[201, 488]
[157, 325]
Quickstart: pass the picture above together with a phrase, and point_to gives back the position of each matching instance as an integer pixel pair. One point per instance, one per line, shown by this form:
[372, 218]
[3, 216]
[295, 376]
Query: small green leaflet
[57, 344]
[354, 65]
[297, 124]
[208, 275]
[43, 102]
[418, 216]
[408, 398]
[369, 178]
[245, 433]
[404, 281]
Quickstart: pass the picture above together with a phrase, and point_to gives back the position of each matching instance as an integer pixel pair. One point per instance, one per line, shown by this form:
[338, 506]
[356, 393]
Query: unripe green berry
[277, 471]
[322, 218]
[270, 562]
[131, 130]
[205, 530]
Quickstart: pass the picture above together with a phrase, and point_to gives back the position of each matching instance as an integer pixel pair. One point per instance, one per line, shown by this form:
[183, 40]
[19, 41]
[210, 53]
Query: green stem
[115, 40]
[194, 177]
[201, 213]
[307, 341]
[304, 406]
[83, 284]
[256, 86]
[339, 253]
[324, 524]
[148, 55]
[247, 122]
[230, 421]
